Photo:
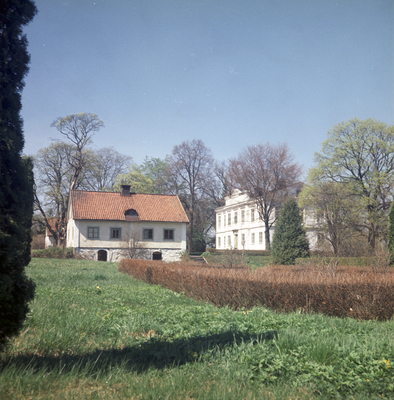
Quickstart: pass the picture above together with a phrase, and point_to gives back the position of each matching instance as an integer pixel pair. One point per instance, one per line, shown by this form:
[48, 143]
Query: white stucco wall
[77, 237]
[244, 219]
[49, 241]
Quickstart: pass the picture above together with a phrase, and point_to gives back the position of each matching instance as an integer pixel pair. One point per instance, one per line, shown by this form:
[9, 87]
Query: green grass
[252, 260]
[94, 333]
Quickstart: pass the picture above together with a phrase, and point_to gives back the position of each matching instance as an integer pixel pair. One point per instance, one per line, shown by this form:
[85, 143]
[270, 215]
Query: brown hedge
[355, 292]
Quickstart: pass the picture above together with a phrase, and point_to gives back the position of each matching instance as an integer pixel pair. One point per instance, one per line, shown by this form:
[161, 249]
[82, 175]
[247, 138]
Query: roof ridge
[132, 193]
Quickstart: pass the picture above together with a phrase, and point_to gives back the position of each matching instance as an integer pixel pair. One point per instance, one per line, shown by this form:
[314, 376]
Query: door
[102, 255]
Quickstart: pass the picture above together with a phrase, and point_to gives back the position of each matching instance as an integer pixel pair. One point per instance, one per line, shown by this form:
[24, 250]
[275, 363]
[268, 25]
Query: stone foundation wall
[115, 255]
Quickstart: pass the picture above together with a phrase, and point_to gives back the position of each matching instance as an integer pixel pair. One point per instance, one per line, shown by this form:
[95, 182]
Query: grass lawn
[253, 261]
[94, 333]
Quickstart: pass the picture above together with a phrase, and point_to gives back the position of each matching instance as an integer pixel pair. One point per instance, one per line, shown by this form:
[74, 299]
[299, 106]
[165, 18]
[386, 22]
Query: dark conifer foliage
[16, 173]
[290, 241]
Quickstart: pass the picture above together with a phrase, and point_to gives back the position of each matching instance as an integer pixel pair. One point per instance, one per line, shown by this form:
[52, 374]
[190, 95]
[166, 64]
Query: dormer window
[131, 215]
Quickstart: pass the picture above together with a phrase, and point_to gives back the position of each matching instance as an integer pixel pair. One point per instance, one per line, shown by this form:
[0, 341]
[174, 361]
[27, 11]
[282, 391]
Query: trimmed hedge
[355, 292]
[343, 261]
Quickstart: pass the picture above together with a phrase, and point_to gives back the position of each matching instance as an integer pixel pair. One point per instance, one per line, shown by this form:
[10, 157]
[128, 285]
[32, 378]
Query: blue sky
[229, 72]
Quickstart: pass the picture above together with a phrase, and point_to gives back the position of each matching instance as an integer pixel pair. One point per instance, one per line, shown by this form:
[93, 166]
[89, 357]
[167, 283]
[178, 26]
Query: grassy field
[251, 260]
[94, 333]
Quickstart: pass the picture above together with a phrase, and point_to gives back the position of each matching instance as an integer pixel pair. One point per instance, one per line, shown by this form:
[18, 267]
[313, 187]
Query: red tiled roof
[51, 222]
[112, 206]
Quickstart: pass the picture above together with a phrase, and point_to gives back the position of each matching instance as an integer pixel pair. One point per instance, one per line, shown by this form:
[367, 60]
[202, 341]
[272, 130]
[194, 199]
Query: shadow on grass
[154, 353]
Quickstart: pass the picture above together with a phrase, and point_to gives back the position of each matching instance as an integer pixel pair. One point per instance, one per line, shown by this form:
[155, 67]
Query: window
[168, 234]
[252, 215]
[229, 241]
[235, 217]
[219, 221]
[260, 237]
[116, 233]
[147, 234]
[224, 219]
[219, 242]
[242, 216]
[93, 232]
[229, 219]
[253, 237]
[243, 239]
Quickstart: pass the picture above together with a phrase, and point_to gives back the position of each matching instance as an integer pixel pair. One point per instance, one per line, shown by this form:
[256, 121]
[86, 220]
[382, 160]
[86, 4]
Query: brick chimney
[125, 190]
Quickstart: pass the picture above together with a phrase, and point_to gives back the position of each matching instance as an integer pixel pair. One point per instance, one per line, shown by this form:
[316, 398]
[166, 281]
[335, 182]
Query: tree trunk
[267, 236]
[191, 225]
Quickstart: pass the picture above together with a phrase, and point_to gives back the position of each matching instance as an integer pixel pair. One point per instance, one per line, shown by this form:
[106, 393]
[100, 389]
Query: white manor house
[239, 226]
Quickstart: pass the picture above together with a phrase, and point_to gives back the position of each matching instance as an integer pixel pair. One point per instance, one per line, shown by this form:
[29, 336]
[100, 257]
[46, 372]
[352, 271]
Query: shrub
[289, 241]
[315, 286]
[38, 242]
[53, 252]
[16, 172]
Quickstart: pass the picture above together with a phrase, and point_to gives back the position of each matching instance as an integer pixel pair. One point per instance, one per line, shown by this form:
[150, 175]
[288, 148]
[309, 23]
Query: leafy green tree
[390, 236]
[289, 241]
[360, 153]
[332, 211]
[149, 177]
[16, 176]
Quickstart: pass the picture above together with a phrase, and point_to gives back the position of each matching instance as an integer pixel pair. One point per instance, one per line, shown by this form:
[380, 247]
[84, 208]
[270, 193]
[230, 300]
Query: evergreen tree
[390, 236]
[289, 241]
[16, 176]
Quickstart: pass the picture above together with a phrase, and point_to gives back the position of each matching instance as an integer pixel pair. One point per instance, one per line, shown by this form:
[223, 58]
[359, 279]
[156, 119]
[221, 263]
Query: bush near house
[232, 258]
[346, 292]
[289, 241]
[256, 253]
[342, 261]
[53, 252]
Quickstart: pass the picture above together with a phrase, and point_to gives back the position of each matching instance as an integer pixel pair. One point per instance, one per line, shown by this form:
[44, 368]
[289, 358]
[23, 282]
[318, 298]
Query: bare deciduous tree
[52, 182]
[79, 129]
[191, 165]
[102, 168]
[133, 243]
[269, 174]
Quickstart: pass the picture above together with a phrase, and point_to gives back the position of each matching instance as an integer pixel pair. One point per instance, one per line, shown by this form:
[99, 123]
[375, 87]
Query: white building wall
[239, 219]
[171, 250]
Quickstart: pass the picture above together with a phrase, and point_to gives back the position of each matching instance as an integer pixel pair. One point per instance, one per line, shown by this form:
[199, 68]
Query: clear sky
[229, 72]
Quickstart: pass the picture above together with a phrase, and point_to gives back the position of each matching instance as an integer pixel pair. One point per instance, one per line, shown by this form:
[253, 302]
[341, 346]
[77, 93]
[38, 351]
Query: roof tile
[112, 206]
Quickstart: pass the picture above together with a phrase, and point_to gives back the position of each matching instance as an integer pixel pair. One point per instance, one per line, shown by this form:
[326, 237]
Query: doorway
[156, 255]
[102, 255]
